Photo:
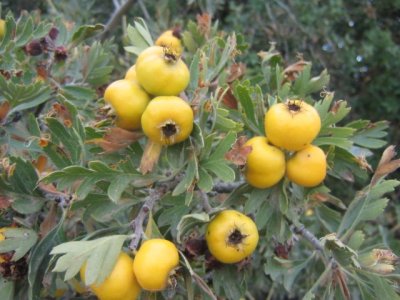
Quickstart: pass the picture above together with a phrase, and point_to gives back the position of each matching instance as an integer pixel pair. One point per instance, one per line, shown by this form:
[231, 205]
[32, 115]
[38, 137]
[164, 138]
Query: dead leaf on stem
[292, 71]
[238, 154]
[116, 139]
[386, 165]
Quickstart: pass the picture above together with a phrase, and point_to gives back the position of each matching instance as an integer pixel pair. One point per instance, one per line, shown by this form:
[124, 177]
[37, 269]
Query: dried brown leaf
[238, 154]
[386, 164]
[150, 157]
[116, 139]
[50, 221]
[292, 71]
[236, 71]
[5, 202]
[122, 136]
[228, 98]
[204, 24]
[340, 279]
[4, 109]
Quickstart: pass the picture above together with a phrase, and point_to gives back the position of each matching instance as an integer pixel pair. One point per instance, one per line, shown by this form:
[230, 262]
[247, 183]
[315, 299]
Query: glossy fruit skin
[2, 28]
[165, 111]
[129, 101]
[307, 167]
[168, 39]
[160, 74]
[222, 229]
[153, 263]
[131, 74]
[292, 125]
[120, 284]
[265, 164]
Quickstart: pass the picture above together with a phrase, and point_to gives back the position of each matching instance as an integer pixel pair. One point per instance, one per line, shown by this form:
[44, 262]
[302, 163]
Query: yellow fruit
[154, 262]
[2, 238]
[131, 74]
[161, 73]
[265, 164]
[307, 167]
[231, 236]
[128, 100]
[292, 125]
[167, 120]
[170, 39]
[120, 284]
[2, 28]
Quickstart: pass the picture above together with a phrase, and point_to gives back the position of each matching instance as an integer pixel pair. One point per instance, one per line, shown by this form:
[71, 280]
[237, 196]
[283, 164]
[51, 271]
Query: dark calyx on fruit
[169, 130]
[294, 107]
[236, 237]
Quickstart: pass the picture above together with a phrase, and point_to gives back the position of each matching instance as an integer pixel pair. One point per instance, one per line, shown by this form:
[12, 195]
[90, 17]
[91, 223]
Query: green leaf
[27, 205]
[24, 31]
[7, 289]
[24, 96]
[221, 170]
[187, 181]
[189, 221]
[100, 254]
[224, 145]
[96, 67]
[20, 240]
[85, 32]
[117, 187]
[78, 92]
[329, 217]
[294, 271]
[226, 279]
[194, 71]
[24, 177]
[139, 37]
[40, 259]
[356, 240]
[230, 46]
[371, 136]
[340, 142]
[205, 182]
[62, 134]
[364, 205]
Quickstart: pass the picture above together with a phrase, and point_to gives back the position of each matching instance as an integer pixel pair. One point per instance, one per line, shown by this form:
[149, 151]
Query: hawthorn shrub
[76, 190]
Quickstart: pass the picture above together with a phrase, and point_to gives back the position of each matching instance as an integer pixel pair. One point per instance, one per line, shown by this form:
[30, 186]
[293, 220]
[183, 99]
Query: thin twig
[145, 11]
[223, 187]
[309, 236]
[115, 18]
[205, 201]
[147, 207]
[137, 223]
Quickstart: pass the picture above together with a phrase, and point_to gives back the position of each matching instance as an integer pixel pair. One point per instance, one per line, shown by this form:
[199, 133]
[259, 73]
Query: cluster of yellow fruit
[230, 236]
[147, 97]
[290, 126]
[149, 270]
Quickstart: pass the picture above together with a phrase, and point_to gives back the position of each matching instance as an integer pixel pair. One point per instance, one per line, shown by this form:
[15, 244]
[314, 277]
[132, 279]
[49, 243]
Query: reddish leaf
[5, 202]
[4, 109]
[229, 99]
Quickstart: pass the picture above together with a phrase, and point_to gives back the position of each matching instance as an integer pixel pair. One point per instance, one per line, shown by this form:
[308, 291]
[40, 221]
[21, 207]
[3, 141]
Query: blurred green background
[356, 40]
